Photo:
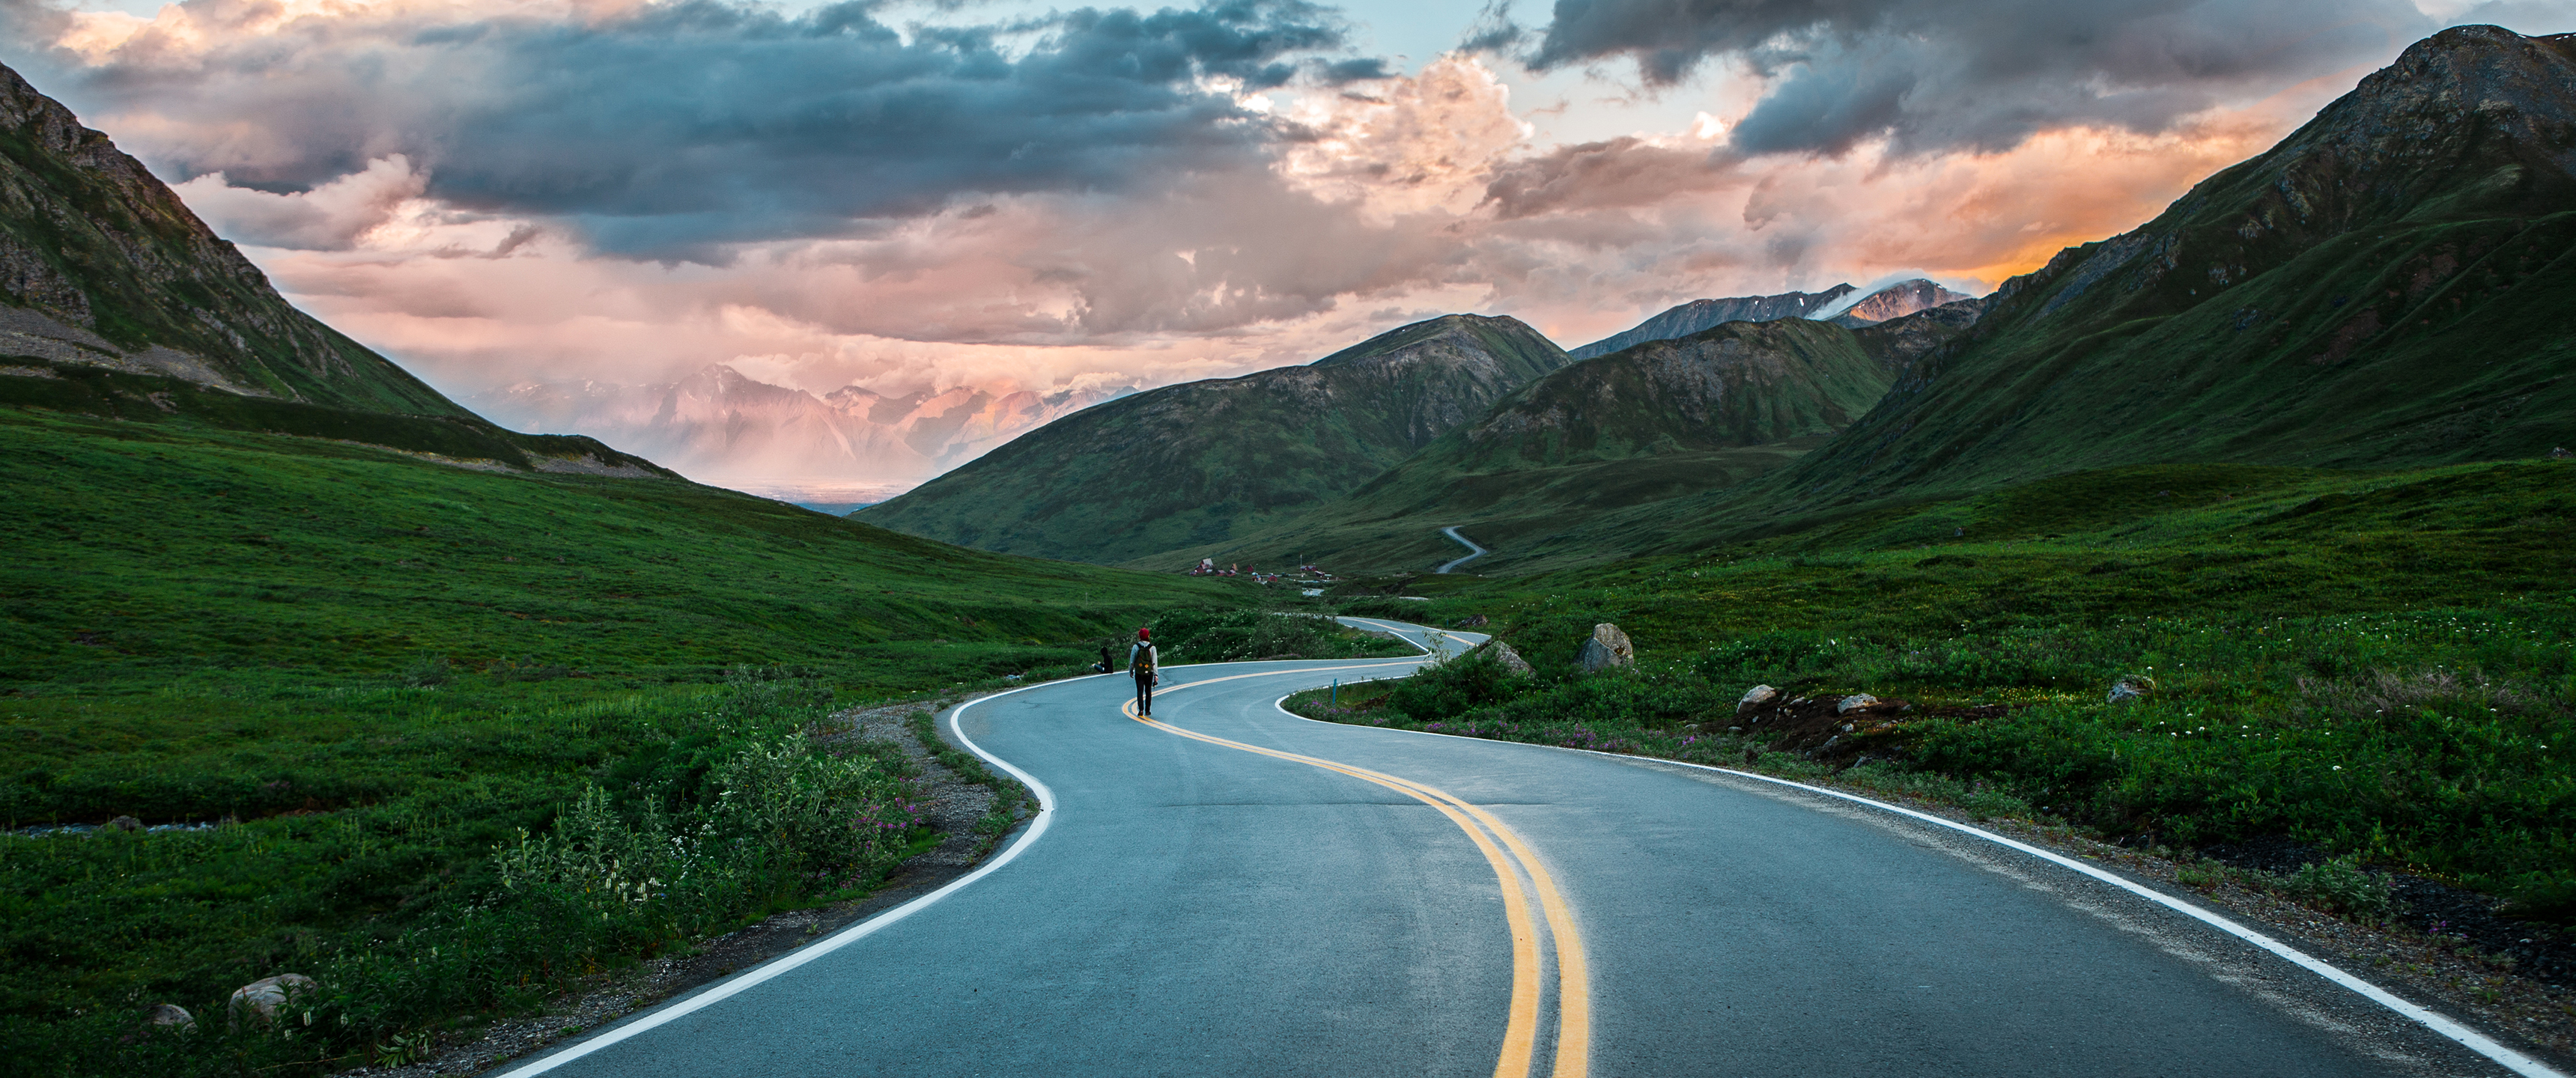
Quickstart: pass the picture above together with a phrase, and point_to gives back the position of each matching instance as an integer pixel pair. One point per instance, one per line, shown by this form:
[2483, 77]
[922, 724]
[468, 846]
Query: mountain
[1700, 314]
[119, 301]
[1652, 422]
[1897, 301]
[1204, 461]
[2386, 287]
[725, 427]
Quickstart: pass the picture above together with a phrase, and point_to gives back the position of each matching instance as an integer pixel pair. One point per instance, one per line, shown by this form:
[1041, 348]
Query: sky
[911, 196]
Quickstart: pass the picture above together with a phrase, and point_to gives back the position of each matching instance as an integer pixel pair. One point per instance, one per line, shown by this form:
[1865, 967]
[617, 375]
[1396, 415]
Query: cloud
[330, 217]
[495, 191]
[1982, 76]
[670, 129]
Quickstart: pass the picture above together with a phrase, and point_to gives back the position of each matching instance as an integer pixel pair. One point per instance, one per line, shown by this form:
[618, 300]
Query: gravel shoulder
[956, 805]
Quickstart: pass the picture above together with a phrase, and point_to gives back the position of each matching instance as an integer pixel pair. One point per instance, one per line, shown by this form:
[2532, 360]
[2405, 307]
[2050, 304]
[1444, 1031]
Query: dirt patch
[1843, 730]
[955, 805]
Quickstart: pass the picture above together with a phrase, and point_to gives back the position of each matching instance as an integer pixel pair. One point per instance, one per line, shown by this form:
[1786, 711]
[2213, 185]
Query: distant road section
[1473, 551]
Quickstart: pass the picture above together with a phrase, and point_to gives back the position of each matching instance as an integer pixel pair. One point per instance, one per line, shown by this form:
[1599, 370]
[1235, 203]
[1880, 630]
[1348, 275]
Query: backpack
[1144, 661]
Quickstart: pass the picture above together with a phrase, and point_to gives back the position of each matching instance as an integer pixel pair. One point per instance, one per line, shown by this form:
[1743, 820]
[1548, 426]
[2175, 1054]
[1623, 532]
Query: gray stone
[1756, 697]
[171, 1015]
[125, 823]
[261, 998]
[2130, 688]
[1608, 647]
[1854, 702]
[1503, 656]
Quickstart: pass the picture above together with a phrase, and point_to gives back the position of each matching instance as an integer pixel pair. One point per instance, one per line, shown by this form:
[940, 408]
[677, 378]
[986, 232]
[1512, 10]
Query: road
[1473, 551]
[1231, 890]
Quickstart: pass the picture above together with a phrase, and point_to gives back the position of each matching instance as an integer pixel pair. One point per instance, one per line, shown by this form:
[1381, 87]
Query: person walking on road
[1140, 662]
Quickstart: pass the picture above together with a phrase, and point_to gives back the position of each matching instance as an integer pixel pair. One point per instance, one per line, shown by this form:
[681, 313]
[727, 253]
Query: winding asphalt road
[1230, 890]
[1473, 551]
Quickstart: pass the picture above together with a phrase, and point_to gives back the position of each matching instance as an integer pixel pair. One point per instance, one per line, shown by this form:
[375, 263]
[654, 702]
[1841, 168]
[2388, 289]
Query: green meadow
[433, 730]
[2380, 663]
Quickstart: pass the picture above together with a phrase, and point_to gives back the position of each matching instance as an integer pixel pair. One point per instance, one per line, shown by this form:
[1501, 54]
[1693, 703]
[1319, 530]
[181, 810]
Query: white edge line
[2471, 1039]
[837, 940]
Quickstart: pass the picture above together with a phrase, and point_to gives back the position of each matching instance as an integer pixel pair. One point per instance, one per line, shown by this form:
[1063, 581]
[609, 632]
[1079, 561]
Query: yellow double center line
[1573, 993]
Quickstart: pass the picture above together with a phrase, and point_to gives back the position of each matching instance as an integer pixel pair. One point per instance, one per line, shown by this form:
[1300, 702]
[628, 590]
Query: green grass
[375, 672]
[2373, 661]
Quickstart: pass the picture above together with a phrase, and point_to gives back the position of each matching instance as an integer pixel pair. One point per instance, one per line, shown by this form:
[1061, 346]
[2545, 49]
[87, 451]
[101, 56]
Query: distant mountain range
[2386, 287]
[1648, 423]
[1897, 301]
[1204, 462]
[1894, 301]
[725, 427]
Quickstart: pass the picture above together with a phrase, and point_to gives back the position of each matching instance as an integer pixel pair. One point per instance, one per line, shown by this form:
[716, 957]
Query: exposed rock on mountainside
[1897, 301]
[116, 300]
[723, 426]
[2387, 286]
[1203, 461]
[102, 265]
[1898, 342]
[1700, 314]
[1657, 421]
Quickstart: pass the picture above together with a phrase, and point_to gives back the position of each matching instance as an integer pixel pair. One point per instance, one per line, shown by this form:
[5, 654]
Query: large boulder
[1502, 656]
[1608, 647]
[2130, 688]
[260, 999]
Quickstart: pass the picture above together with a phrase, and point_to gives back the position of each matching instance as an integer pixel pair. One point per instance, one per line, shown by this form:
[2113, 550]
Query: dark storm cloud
[1982, 75]
[674, 128]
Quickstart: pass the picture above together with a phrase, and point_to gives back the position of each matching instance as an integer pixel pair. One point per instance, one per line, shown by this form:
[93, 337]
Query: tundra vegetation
[443, 740]
[2377, 663]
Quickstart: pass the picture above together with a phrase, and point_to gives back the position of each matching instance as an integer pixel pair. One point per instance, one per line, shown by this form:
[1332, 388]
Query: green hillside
[1653, 422]
[2386, 287]
[361, 671]
[2378, 663]
[304, 669]
[2385, 290]
[1193, 464]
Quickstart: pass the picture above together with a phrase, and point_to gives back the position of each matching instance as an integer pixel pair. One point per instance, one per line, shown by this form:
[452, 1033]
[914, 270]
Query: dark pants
[1144, 694]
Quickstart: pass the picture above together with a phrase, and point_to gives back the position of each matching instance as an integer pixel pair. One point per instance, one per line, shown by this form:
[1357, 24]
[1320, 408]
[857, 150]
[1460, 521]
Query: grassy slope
[2385, 288]
[384, 666]
[1654, 422]
[2368, 660]
[1196, 463]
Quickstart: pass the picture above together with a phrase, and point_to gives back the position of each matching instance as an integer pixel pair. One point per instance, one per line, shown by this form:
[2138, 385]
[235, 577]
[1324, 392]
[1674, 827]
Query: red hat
[1143, 633]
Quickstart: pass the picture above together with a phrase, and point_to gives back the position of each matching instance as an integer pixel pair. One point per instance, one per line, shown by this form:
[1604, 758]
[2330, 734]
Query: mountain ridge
[2384, 288]
[1684, 319]
[1651, 422]
[1201, 461]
